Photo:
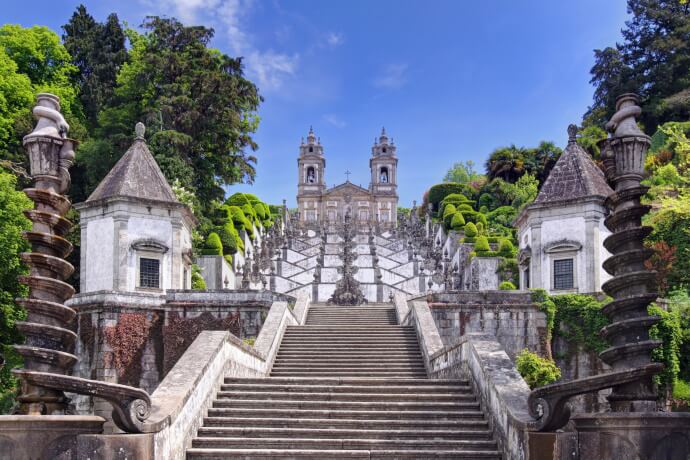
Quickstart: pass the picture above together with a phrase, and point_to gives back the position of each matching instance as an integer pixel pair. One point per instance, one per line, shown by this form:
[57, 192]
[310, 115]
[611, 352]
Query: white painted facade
[548, 234]
[118, 232]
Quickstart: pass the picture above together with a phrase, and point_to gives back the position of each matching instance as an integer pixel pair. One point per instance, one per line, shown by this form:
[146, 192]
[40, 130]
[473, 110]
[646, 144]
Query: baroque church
[318, 204]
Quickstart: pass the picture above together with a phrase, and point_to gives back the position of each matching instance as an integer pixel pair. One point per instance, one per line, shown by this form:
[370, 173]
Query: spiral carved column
[50, 342]
[633, 286]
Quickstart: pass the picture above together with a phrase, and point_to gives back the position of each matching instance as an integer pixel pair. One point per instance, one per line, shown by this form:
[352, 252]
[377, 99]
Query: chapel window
[311, 175]
[311, 149]
[149, 273]
[563, 276]
[384, 175]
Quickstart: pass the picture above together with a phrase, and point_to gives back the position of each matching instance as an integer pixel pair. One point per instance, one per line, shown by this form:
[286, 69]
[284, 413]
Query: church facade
[317, 204]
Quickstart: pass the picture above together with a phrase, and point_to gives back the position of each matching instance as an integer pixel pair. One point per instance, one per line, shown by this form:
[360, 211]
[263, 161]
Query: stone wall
[135, 339]
[510, 317]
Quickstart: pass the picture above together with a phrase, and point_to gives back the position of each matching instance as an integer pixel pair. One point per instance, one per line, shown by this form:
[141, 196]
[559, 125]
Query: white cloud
[392, 77]
[334, 120]
[268, 67]
[271, 68]
[335, 39]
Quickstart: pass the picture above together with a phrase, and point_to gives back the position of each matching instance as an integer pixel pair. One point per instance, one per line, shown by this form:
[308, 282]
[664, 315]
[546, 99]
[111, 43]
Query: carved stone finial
[139, 130]
[50, 122]
[623, 122]
[572, 133]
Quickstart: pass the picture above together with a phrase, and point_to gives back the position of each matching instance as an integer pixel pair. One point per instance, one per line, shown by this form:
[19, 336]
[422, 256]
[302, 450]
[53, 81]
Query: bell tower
[311, 182]
[384, 166]
[384, 179]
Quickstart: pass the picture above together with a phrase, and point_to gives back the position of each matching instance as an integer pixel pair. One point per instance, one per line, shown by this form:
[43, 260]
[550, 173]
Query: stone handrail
[502, 392]
[181, 400]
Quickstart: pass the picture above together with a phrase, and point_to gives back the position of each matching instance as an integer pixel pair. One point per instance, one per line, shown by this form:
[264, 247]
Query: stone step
[347, 397]
[321, 423]
[347, 405]
[349, 334]
[343, 433]
[364, 415]
[350, 366]
[354, 348]
[321, 454]
[339, 329]
[349, 354]
[344, 360]
[388, 387]
[360, 382]
[346, 444]
[340, 373]
[349, 341]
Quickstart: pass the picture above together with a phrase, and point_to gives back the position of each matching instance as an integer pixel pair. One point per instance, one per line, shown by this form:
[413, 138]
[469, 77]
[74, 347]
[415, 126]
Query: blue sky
[450, 80]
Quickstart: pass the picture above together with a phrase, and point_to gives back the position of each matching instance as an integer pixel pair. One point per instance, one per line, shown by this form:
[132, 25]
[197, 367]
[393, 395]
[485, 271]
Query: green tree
[199, 109]
[32, 60]
[652, 60]
[98, 51]
[507, 163]
[12, 223]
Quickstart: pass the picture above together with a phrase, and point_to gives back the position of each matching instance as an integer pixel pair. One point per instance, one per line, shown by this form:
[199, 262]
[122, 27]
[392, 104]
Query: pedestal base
[633, 436]
[33, 437]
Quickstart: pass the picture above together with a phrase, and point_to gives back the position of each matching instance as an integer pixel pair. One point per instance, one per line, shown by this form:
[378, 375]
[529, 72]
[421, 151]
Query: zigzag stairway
[350, 383]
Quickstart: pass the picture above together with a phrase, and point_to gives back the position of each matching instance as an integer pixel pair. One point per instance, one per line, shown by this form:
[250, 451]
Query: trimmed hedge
[213, 245]
[470, 230]
[457, 223]
[506, 249]
[439, 191]
[506, 286]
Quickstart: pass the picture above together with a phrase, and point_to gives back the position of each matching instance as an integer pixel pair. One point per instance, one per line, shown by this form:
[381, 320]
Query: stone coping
[502, 392]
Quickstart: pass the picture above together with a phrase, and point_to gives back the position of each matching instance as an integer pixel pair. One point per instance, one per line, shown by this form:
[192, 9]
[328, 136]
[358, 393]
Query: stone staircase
[350, 383]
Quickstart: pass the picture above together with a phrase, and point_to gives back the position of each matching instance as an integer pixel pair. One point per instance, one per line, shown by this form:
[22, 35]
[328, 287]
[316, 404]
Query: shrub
[470, 230]
[213, 246]
[237, 199]
[506, 248]
[198, 282]
[536, 371]
[481, 245]
[506, 286]
[241, 221]
[480, 228]
[448, 213]
[228, 259]
[439, 191]
[457, 223]
[228, 237]
[464, 207]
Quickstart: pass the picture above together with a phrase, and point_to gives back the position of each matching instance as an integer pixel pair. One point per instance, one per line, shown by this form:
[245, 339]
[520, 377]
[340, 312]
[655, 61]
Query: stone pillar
[176, 281]
[536, 271]
[591, 252]
[120, 252]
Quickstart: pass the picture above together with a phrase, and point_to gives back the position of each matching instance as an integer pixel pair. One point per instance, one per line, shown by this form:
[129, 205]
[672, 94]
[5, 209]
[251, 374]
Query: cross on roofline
[347, 173]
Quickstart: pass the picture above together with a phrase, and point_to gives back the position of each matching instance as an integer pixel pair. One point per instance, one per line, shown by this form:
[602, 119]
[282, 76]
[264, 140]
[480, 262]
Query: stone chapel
[135, 234]
[561, 234]
[318, 204]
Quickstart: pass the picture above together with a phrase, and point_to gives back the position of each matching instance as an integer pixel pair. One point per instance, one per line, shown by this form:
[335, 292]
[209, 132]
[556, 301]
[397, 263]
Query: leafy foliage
[652, 60]
[198, 282]
[506, 286]
[199, 109]
[12, 223]
[579, 319]
[536, 371]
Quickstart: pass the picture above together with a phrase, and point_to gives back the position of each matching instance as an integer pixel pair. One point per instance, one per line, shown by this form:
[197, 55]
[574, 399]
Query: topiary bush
[228, 237]
[439, 191]
[457, 223]
[481, 246]
[536, 371]
[213, 245]
[448, 213]
[506, 249]
[470, 229]
[506, 286]
[241, 221]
